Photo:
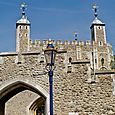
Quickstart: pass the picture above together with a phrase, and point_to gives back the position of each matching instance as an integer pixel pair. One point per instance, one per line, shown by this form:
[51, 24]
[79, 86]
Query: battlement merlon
[60, 42]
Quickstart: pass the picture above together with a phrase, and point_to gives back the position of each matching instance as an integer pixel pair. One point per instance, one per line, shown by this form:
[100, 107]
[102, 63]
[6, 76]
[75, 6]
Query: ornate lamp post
[50, 54]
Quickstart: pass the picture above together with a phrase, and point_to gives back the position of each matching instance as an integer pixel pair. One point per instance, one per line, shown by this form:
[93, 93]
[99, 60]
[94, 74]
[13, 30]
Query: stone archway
[14, 87]
[103, 68]
[37, 106]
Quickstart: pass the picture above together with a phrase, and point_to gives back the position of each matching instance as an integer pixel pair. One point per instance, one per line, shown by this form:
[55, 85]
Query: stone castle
[84, 83]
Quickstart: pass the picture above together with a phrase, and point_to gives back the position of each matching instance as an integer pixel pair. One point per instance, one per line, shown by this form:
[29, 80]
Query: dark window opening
[42, 60]
[102, 61]
[70, 59]
[26, 35]
[69, 69]
[95, 60]
[20, 27]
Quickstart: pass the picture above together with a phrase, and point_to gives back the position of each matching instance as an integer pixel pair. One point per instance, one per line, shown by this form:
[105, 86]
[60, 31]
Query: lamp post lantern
[50, 54]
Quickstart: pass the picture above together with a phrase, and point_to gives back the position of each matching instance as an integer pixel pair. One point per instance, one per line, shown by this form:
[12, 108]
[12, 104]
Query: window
[70, 59]
[69, 70]
[78, 53]
[99, 27]
[102, 61]
[20, 27]
[95, 60]
[42, 59]
[26, 27]
[26, 35]
[100, 43]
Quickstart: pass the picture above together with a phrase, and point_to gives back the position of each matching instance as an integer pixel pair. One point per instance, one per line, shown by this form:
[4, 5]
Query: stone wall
[72, 91]
[18, 104]
[80, 50]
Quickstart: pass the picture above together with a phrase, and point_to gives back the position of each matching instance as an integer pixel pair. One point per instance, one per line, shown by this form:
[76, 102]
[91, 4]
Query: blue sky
[55, 19]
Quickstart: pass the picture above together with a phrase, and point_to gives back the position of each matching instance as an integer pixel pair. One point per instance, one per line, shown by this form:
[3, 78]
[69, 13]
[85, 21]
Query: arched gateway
[38, 102]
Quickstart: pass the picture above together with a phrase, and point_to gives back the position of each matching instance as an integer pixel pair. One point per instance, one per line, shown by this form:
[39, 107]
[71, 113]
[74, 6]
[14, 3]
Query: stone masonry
[77, 90]
[72, 91]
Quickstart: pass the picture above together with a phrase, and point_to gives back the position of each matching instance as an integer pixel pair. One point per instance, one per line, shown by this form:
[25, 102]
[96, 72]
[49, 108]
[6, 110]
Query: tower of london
[96, 50]
[84, 82]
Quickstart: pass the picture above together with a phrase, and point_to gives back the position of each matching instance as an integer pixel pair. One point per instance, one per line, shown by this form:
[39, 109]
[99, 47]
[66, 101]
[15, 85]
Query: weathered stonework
[77, 89]
[72, 92]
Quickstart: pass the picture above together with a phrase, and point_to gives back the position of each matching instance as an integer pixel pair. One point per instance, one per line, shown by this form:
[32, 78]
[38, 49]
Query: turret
[100, 51]
[22, 32]
[98, 34]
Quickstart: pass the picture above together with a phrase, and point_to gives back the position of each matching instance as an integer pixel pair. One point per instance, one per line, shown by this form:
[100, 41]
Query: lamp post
[50, 54]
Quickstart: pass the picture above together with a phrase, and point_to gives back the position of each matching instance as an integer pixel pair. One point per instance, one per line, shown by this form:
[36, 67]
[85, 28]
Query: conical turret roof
[97, 21]
[23, 19]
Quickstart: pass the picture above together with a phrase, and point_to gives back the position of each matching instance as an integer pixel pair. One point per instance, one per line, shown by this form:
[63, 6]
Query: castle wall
[72, 91]
[79, 50]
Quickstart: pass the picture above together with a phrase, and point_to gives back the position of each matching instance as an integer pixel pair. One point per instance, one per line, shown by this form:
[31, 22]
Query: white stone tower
[100, 48]
[22, 32]
[98, 29]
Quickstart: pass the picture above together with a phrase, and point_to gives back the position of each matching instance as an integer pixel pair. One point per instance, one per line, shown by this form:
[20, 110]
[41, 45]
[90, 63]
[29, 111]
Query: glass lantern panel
[50, 57]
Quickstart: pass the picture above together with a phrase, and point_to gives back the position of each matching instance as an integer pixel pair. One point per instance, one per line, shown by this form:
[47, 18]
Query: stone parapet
[60, 42]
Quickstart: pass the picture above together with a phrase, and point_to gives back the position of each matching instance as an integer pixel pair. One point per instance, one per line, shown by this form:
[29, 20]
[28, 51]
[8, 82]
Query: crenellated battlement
[60, 42]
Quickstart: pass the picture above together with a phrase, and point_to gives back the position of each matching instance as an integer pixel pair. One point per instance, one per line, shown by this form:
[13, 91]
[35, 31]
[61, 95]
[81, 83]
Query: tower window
[95, 60]
[20, 27]
[69, 70]
[102, 61]
[26, 35]
[99, 27]
[70, 59]
[26, 27]
[78, 53]
[101, 43]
